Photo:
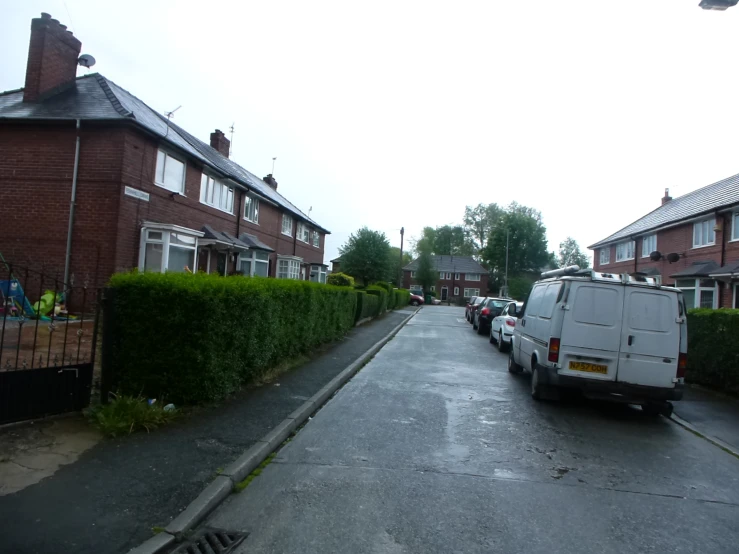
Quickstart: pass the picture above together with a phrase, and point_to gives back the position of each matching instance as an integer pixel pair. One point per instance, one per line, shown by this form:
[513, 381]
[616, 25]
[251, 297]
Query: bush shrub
[367, 305]
[124, 415]
[340, 280]
[382, 294]
[402, 298]
[390, 294]
[197, 338]
[713, 348]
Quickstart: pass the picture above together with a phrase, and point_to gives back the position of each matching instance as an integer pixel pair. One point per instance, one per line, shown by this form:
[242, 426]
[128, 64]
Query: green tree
[366, 256]
[527, 250]
[570, 254]
[479, 222]
[396, 264]
[451, 240]
[426, 275]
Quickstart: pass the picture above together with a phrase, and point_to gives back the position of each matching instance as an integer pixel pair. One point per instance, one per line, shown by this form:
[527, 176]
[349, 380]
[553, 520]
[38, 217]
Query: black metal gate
[48, 338]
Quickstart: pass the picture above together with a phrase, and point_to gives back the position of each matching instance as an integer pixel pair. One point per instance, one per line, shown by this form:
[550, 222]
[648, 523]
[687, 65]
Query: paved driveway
[435, 447]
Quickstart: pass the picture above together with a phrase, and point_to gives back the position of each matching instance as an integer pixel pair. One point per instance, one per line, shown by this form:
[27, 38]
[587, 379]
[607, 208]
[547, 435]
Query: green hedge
[382, 294]
[402, 298]
[197, 338]
[390, 294]
[340, 280]
[713, 348]
[367, 305]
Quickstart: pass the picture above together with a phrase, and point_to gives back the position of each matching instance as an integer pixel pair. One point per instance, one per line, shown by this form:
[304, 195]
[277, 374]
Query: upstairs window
[303, 232]
[251, 208]
[625, 251]
[170, 172]
[735, 226]
[216, 194]
[316, 239]
[648, 245]
[703, 233]
[287, 225]
[605, 255]
[472, 277]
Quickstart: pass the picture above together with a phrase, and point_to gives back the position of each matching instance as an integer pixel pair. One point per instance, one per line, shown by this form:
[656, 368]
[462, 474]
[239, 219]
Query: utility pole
[400, 277]
[505, 279]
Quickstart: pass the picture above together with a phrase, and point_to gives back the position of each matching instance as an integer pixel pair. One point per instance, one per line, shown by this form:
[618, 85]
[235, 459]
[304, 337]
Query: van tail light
[553, 350]
[510, 323]
[682, 364]
[485, 311]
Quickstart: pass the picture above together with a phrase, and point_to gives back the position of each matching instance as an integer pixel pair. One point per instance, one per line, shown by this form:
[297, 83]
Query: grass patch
[124, 415]
[241, 485]
[156, 529]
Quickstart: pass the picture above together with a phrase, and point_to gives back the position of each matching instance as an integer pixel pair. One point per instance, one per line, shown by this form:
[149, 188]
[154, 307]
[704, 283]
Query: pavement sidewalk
[111, 497]
[711, 414]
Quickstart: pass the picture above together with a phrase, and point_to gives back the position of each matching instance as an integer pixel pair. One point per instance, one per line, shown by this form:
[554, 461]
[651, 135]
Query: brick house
[459, 277]
[146, 193]
[691, 242]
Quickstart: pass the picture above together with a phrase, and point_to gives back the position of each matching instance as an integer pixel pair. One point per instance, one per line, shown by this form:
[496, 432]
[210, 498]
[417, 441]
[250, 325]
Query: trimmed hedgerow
[713, 348]
[197, 338]
[402, 298]
[382, 294]
[367, 305]
[340, 280]
[389, 289]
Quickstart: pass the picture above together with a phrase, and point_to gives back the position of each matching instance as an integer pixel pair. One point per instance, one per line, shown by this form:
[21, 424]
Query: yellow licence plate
[590, 368]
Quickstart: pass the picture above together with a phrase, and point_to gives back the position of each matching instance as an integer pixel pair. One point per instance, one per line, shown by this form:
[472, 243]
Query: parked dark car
[416, 299]
[467, 310]
[474, 306]
[488, 310]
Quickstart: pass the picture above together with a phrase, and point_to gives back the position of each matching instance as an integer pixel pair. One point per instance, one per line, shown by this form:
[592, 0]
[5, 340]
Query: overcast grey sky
[391, 114]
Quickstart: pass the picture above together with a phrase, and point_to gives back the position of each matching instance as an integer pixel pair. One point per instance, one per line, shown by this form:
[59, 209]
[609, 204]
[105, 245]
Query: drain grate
[212, 541]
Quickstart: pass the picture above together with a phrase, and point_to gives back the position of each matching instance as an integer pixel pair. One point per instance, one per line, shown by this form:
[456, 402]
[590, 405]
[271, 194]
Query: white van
[616, 337]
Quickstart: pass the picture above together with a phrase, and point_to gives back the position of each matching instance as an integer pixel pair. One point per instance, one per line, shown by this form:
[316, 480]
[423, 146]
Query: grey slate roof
[698, 269]
[458, 264]
[223, 238]
[93, 97]
[729, 269]
[254, 243]
[702, 201]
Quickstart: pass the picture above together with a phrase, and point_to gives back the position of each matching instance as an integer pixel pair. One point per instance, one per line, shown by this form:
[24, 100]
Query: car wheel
[474, 324]
[414, 303]
[513, 367]
[501, 344]
[492, 339]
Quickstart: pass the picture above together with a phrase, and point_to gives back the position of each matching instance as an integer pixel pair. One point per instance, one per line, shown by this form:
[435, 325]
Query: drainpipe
[72, 200]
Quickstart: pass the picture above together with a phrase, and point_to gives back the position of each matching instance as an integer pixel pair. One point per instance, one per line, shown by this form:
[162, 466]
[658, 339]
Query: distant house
[691, 242]
[459, 276]
[336, 265]
[147, 194]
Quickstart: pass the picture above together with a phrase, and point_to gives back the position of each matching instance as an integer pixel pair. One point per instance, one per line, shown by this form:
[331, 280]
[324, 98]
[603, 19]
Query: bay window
[288, 267]
[215, 193]
[170, 172]
[699, 293]
[254, 263]
[168, 248]
[318, 273]
[471, 292]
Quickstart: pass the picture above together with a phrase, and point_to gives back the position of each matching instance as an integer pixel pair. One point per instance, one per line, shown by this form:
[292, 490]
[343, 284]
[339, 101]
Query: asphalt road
[435, 447]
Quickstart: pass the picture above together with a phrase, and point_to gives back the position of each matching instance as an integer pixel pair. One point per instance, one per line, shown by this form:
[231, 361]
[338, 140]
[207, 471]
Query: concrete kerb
[713, 440]
[223, 485]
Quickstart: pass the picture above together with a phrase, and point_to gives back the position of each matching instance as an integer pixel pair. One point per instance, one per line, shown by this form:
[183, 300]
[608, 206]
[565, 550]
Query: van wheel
[536, 386]
[652, 410]
[513, 367]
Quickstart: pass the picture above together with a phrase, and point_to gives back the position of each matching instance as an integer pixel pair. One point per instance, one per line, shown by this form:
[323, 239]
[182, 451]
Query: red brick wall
[680, 240]
[462, 283]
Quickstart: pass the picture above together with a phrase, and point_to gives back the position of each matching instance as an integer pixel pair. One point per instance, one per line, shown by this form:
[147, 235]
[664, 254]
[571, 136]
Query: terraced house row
[145, 193]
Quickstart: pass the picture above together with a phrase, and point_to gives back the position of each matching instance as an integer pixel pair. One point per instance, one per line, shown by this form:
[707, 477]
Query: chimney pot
[270, 181]
[219, 141]
[52, 57]
[666, 198]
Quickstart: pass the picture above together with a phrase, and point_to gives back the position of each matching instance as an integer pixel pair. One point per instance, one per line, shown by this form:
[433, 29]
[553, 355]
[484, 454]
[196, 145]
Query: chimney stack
[219, 141]
[270, 181]
[666, 198]
[52, 57]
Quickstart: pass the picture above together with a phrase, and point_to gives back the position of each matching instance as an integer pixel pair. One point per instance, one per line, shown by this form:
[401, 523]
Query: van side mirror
[512, 311]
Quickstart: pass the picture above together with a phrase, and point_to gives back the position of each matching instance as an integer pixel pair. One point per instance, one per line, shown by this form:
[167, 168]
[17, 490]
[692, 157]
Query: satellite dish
[655, 256]
[86, 60]
[673, 257]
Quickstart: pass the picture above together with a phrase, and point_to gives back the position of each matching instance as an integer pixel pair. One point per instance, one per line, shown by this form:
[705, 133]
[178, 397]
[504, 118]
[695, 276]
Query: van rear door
[650, 337]
[591, 331]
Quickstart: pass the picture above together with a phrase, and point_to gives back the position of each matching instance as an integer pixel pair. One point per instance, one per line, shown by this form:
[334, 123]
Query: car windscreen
[500, 303]
[479, 301]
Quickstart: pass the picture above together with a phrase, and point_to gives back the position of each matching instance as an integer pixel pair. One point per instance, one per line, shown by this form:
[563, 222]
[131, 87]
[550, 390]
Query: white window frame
[210, 187]
[303, 232]
[704, 224]
[472, 277]
[433, 289]
[648, 245]
[413, 274]
[161, 183]
[698, 288]
[316, 238]
[605, 259]
[252, 202]
[166, 232]
[456, 276]
[319, 272]
[287, 219]
[622, 251]
[468, 293]
[292, 268]
[456, 290]
[441, 275]
[251, 256]
[734, 226]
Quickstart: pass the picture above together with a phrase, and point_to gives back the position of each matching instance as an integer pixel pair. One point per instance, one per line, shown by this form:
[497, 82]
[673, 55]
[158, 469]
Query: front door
[444, 293]
[650, 338]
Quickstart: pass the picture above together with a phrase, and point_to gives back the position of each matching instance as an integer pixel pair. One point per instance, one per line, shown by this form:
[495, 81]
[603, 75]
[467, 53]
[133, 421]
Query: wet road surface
[435, 447]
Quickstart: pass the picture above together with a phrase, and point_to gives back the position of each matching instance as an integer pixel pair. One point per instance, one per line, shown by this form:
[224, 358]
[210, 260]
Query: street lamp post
[400, 276]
